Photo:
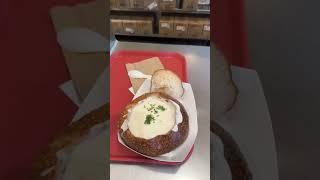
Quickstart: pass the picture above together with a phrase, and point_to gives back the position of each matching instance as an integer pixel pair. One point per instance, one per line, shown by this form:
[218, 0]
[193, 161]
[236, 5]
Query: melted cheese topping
[152, 117]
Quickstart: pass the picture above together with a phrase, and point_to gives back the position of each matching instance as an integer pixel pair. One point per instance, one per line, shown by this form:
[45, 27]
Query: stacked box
[206, 28]
[166, 25]
[144, 25]
[167, 4]
[181, 26]
[113, 4]
[150, 4]
[137, 4]
[132, 25]
[195, 28]
[143, 4]
[203, 4]
[123, 4]
[189, 4]
[116, 25]
[129, 25]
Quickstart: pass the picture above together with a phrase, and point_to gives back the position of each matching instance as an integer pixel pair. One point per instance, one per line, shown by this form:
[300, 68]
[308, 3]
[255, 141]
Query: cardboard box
[181, 26]
[144, 4]
[137, 4]
[150, 4]
[116, 25]
[167, 4]
[206, 28]
[195, 28]
[130, 25]
[166, 24]
[203, 4]
[144, 25]
[123, 3]
[113, 4]
[190, 4]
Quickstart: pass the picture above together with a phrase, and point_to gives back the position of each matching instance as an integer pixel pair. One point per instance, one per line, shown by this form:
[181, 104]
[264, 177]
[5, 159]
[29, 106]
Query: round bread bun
[160, 144]
[167, 82]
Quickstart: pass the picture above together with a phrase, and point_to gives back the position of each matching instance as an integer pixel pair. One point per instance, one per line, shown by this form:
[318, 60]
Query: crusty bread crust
[160, 144]
[166, 81]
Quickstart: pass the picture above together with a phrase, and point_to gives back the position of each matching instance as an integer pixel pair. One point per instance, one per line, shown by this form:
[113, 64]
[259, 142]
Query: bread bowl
[155, 136]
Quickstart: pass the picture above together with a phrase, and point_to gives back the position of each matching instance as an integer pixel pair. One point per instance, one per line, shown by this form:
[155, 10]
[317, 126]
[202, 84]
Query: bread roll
[167, 82]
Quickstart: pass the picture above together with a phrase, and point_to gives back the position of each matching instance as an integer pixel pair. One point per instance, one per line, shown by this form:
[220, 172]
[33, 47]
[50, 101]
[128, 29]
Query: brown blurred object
[203, 5]
[181, 26]
[195, 29]
[84, 68]
[72, 135]
[113, 4]
[138, 4]
[166, 24]
[167, 4]
[145, 25]
[123, 4]
[206, 28]
[148, 3]
[132, 25]
[116, 24]
[190, 4]
[129, 25]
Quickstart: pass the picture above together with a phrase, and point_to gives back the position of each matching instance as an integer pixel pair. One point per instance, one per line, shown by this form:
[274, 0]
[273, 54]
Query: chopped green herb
[161, 108]
[153, 109]
[149, 118]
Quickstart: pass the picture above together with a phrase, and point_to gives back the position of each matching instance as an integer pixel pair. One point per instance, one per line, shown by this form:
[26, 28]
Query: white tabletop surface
[198, 166]
[250, 124]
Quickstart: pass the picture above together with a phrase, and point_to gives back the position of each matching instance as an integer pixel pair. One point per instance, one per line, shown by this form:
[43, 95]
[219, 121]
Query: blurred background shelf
[174, 12]
[170, 19]
[157, 38]
[180, 12]
[132, 11]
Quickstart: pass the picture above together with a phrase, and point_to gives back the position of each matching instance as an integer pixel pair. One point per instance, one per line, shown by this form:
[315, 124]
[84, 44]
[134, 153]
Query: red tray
[120, 97]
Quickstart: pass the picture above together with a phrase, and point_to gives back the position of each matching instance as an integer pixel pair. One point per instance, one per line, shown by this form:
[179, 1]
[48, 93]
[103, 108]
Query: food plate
[180, 153]
[120, 96]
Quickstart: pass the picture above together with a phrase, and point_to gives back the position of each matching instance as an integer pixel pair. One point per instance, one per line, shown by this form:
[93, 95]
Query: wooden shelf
[157, 38]
[180, 12]
[132, 12]
[156, 14]
[176, 12]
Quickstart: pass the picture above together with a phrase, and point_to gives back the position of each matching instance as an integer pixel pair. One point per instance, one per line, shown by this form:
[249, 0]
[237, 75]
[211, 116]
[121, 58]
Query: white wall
[284, 47]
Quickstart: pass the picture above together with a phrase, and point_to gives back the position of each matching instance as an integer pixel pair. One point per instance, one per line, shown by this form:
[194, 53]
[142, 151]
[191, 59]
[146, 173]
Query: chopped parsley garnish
[161, 108]
[149, 118]
[154, 112]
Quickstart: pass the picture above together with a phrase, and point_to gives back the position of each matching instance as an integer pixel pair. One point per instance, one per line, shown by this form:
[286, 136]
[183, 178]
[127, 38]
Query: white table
[198, 166]
[250, 125]
[249, 122]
